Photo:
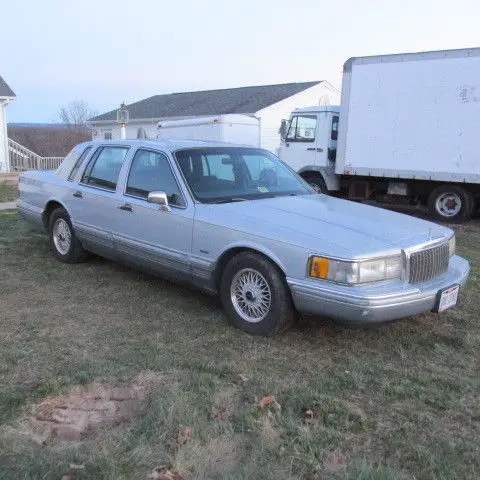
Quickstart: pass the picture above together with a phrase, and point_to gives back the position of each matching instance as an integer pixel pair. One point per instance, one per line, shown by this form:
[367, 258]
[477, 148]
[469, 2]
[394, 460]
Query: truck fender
[331, 179]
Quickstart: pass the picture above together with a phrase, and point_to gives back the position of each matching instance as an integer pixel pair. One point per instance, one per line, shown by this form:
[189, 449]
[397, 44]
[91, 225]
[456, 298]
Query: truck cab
[309, 145]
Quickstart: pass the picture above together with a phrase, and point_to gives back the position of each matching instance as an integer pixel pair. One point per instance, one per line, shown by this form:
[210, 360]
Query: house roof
[210, 102]
[5, 90]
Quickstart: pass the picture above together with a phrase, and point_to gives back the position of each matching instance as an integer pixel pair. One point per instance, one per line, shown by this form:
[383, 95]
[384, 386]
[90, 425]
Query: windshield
[223, 174]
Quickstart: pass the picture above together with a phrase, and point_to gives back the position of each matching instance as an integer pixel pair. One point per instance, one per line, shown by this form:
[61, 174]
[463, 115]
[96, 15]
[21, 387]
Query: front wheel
[450, 203]
[255, 296]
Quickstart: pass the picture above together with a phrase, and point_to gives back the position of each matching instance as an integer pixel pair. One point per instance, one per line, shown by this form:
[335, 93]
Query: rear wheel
[450, 203]
[63, 241]
[255, 295]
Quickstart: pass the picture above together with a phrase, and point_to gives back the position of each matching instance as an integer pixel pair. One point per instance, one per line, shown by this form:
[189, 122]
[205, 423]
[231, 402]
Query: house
[269, 103]
[6, 94]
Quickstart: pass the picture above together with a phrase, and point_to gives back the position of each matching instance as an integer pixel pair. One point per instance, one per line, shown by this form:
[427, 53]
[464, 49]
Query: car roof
[170, 145]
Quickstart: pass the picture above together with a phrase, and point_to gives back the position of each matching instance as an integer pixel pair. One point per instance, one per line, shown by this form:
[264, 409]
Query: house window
[107, 135]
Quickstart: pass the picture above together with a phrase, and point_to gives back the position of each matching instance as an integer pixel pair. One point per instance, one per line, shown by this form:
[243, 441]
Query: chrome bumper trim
[376, 302]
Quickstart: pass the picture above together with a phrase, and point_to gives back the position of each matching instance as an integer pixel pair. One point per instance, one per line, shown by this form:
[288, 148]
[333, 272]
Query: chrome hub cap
[250, 295]
[62, 236]
[448, 204]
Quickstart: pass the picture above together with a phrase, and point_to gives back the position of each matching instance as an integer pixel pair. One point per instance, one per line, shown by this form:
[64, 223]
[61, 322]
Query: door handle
[78, 194]
[311, 149]
[126, 207]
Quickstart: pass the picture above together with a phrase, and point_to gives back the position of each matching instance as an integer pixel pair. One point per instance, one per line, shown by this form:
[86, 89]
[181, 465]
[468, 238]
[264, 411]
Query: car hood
[319, 221]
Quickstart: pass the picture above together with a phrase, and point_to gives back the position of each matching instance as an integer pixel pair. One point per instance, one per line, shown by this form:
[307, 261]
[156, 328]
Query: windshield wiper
[231, 199]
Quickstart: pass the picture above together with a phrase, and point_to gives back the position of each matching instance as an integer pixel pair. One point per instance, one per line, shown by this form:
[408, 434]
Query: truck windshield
[223, 174]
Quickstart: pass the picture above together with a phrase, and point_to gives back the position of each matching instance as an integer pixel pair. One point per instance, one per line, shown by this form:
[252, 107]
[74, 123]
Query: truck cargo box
[231, 128]
[412, 116]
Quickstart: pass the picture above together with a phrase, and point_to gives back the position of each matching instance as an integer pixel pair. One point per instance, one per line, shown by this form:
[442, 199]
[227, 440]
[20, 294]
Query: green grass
[397, 402]
[8, 193]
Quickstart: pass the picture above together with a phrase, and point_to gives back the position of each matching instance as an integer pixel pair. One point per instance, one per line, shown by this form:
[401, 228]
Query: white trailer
[406, 132]
[231, 128]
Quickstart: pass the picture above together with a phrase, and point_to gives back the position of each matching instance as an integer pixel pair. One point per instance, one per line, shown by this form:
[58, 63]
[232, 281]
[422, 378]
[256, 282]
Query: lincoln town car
[236, 222]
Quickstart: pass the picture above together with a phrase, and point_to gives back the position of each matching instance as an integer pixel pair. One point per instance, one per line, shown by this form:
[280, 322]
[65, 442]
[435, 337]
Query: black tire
[281, 313]
[75, 252]
[461, 202]
[317, 182]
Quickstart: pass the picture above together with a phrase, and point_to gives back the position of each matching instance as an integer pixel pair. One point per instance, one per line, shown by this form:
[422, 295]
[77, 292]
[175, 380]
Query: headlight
[451, 246]
[340, 271]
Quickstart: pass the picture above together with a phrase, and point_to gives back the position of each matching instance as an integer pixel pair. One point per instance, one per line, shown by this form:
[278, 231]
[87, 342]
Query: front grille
[429, 263]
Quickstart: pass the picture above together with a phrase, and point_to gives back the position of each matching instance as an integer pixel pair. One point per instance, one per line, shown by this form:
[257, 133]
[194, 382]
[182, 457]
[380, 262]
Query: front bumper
[374, 303]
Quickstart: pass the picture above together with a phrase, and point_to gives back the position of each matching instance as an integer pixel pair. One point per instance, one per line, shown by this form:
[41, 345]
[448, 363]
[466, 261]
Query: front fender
[331, 179]
[249, 245]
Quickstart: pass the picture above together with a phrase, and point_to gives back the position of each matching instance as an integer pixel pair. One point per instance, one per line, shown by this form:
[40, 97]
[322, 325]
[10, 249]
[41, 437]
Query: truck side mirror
[283, 129]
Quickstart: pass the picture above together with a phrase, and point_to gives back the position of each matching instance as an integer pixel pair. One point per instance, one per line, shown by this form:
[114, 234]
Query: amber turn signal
[319, 267]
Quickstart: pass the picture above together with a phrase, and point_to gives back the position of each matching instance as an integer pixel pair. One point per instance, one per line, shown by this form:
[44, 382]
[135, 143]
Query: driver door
[299, 148]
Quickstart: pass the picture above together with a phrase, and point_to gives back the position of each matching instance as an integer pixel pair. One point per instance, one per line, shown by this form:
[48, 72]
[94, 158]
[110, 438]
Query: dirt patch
[88, 409]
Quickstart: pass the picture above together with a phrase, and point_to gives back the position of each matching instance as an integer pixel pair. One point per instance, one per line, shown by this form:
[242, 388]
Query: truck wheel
[63, 241]
[317, 183]
[450, 203]
[255, 295]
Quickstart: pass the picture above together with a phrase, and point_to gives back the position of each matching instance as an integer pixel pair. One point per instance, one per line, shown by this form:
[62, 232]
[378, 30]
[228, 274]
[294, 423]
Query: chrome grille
[429, 263]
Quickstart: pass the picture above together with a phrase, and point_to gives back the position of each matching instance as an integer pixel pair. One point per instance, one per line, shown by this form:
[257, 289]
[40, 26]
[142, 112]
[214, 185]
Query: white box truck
[231, 128]
[407, 131]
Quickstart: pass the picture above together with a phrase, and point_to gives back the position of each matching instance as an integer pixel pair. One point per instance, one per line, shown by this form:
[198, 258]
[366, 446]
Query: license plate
[447, 298]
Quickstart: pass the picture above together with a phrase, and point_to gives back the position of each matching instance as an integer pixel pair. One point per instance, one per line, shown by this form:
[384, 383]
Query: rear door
[93, 201]
[145, 234]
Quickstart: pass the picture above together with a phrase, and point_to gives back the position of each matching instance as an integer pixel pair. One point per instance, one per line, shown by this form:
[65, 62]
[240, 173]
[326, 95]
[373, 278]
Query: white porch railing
[22, 158]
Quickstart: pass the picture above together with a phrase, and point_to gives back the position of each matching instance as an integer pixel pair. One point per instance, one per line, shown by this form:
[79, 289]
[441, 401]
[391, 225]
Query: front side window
[104, 167]
[78, 163]
[151, 172]
[302, 128]
[223, 174]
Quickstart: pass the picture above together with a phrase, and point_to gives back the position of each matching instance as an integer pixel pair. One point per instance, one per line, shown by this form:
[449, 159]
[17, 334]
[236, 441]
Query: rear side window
[78, 163]
[104, 167]
[334, 135]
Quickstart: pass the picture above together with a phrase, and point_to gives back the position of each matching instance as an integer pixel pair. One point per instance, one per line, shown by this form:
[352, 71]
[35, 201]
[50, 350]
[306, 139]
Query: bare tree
[76, 113]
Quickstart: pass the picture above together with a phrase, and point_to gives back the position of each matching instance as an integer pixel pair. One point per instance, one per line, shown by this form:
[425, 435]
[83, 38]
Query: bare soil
[86, 410]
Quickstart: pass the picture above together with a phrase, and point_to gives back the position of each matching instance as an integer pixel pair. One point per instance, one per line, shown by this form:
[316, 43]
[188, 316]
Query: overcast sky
[104, 52]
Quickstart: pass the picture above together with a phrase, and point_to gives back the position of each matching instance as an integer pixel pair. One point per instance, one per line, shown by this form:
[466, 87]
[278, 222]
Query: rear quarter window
[66, 166]
[79, 162]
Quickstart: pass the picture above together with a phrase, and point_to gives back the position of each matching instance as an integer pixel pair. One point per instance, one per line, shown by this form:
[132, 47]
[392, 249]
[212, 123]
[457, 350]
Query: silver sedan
[237, 222]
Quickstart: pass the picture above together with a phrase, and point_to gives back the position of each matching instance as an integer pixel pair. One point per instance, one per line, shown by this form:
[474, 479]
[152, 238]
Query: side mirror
[160, 198]
[283, 129]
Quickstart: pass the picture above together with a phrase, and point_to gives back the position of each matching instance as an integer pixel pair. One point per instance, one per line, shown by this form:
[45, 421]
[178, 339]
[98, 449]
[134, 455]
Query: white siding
[4, 164]
[271, 117]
